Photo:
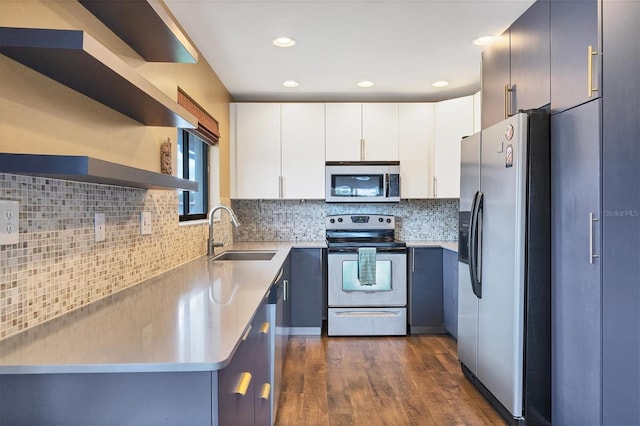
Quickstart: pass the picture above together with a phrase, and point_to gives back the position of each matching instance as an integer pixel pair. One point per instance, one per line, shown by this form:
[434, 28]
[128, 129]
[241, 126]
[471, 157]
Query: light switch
[145, 223]
[100, 225]
[9, 228]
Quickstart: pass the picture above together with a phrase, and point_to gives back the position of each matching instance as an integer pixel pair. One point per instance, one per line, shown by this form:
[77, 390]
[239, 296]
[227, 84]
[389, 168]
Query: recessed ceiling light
[291, 83]
[483, 40]
[283, 42]
[365, 83]
[441, 83]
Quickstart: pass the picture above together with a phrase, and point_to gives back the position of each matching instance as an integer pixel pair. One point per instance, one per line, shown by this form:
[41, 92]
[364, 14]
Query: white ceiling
[401, 45]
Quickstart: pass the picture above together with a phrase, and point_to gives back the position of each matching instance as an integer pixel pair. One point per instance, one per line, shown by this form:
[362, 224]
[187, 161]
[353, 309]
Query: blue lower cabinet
[126, 399]
[262, 358]
[450, 291]
[425, 290]
[307, 290]
[244, 386]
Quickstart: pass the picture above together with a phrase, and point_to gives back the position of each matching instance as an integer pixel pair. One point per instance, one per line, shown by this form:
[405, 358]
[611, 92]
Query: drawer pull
[265, 391]
[243, 384]
[265, 328]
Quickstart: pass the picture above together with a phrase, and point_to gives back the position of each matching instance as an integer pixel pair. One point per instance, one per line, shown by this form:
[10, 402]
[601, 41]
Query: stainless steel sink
[245, 255]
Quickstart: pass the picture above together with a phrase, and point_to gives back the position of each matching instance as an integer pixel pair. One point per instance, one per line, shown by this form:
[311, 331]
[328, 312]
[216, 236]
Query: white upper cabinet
[416, 133]
[380, 132]
[256, 145]
[362, 132]
[343, 131]
[453, 121]
[303, 151]
[277, 151]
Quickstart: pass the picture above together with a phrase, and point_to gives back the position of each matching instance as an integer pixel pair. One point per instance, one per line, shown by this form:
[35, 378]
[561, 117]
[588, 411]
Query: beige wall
[38, 115]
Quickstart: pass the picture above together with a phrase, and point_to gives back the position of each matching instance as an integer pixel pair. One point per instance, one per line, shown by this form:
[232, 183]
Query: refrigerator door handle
[472, 238]
[475, 244]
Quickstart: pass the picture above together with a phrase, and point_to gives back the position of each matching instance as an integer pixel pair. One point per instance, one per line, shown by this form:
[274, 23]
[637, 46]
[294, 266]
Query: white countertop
[445, 244]
[188, 319]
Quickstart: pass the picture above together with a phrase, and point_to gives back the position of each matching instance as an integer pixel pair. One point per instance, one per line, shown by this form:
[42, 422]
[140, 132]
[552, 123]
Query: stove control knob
[388, 220]
[332, 220]
[380, 220]
[339, 219]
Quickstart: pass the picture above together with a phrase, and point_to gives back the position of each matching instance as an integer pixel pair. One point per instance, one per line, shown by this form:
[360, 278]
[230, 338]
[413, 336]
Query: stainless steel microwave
[362, 181]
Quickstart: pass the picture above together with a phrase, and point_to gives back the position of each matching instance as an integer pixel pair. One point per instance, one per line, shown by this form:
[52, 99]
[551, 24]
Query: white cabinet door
[303, 151]
[257, 150]
[343, 131]
[380, 131]
[416, 132]
[453, 120]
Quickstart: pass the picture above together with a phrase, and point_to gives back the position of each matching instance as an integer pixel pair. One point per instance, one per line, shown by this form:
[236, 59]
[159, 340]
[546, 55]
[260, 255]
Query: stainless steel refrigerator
[504, 310]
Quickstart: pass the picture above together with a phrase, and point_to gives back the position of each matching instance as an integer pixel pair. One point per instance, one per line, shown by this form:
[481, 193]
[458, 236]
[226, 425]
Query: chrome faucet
[210, 243]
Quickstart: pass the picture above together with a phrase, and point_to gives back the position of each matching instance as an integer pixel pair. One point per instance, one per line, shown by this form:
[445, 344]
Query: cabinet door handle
[413, 259]
[264, 328]
[508, 90]
[285, 283]
[362, 148]
[265, 391]
[243, 384]
[590, 54]
[435, 186]
[280, 186]
[592, 256]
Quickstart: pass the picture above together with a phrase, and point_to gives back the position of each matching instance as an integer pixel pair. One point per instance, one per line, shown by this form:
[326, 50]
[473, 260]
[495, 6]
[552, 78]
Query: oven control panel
[360, 221]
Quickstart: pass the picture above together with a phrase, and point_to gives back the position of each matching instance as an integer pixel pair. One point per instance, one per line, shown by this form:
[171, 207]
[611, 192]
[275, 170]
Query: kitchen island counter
[188, 319]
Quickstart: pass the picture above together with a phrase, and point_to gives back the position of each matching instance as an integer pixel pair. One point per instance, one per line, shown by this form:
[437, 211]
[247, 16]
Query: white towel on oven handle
[367, 266]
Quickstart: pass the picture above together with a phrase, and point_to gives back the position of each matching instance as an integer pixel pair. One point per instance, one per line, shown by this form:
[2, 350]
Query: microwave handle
[387, 189]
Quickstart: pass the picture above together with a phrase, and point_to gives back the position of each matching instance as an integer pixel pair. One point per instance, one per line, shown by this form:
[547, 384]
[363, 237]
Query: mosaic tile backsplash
[295, 220]
[57, 266]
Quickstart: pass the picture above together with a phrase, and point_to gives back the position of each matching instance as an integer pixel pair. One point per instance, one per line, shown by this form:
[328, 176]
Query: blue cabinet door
[575, 281]
[530, 56]
[307, 288]
[575, 25]
[496, 78]
[262, 367]
[621, 212]
[425, 290]
[450, 291]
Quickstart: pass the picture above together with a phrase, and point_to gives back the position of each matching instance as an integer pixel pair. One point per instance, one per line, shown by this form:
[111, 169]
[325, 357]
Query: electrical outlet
[100, 227]
[9, 222]
[145, 223]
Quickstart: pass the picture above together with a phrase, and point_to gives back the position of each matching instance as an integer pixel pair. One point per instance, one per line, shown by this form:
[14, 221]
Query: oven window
[357, 185]
[350, 280]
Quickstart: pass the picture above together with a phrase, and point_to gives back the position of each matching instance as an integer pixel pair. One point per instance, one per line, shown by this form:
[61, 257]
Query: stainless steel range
[367, 276]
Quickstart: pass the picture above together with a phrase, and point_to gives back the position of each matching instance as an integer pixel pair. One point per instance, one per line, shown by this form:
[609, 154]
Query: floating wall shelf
[78, 61]
[87, 169]
[145, 26]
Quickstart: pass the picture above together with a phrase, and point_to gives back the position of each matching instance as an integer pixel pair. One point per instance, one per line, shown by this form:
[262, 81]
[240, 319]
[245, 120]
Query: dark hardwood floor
[412, 380]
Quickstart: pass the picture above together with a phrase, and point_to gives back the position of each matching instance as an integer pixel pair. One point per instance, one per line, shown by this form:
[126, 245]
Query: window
[193, 161]
[194, 149]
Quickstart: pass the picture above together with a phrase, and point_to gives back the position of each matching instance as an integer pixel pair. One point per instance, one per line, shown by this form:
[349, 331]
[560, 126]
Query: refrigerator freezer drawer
[367, 321]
